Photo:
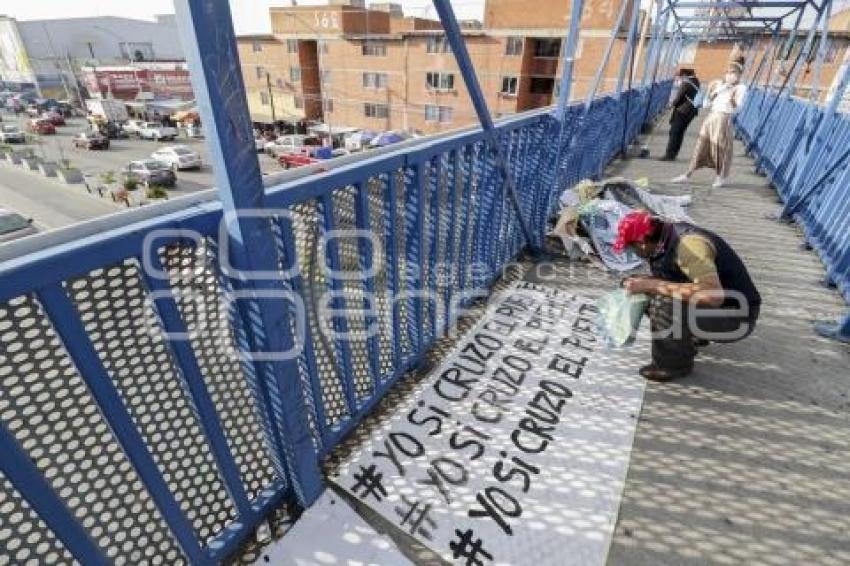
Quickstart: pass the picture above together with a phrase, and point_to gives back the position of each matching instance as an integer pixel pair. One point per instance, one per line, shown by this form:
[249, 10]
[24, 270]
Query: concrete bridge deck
[747, 460]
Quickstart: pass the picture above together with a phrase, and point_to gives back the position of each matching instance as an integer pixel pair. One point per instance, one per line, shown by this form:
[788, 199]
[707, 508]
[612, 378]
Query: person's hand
[638, 284]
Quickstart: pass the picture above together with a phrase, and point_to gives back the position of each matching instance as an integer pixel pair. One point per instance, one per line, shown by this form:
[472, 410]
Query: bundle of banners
[586, 224]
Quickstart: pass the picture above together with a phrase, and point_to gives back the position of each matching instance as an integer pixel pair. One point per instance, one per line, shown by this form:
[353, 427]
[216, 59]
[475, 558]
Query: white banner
[515, 449]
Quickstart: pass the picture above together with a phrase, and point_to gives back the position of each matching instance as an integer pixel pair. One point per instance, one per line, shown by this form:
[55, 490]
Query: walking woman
[714, 145]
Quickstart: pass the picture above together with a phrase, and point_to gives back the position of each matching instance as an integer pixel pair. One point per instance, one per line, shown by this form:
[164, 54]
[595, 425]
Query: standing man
[700, 290]
[684, 111]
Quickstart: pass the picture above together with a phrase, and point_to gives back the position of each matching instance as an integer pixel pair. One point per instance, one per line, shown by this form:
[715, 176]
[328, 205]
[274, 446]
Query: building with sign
[378, 69]
[47, 55]
[139, 81]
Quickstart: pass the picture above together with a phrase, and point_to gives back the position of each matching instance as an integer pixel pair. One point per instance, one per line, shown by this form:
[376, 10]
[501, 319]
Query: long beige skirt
[714, 144]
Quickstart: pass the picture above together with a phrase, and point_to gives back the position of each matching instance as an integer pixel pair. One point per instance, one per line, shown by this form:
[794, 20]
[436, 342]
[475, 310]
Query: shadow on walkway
[748, 459]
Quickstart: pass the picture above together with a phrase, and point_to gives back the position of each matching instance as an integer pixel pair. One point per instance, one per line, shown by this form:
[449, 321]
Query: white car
[9, 133]
[178, 157]
[156, 132]
[132, 127]
[285, 144]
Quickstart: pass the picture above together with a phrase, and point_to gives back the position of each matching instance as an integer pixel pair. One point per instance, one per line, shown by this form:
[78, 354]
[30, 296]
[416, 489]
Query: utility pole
[271, 95]
[94, 68]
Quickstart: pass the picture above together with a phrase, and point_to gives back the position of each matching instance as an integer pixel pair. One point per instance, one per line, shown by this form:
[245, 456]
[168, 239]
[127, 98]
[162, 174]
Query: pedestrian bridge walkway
[747, 460]
[174, 379]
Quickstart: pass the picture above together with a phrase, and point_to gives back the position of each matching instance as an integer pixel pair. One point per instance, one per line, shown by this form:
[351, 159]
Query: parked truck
[111, 110]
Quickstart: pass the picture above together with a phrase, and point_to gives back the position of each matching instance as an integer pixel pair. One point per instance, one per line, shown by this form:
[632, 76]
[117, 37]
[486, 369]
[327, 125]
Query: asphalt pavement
[53, 205]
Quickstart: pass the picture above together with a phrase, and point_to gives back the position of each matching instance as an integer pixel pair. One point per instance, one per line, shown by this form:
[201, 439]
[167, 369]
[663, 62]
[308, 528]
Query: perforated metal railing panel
[195, 282]
[24, 538]
[306, 235]
[123, 329]
[45, 404]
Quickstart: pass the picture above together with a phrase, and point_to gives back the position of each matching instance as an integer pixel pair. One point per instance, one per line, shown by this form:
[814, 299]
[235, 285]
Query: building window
[442, 114]
[261, 73]
[279, 83]
[323, 46]
[328, 105]
[547, 47]
[292, 46]
[375, 80]
[256, 46]
[440, 81]
[374, 48]
[438, 44]
[513, 46]
[295, 74]
[298, 102]
[509, 85]
[372, 110]
[542, 85]
[264, 98]
[326, 77]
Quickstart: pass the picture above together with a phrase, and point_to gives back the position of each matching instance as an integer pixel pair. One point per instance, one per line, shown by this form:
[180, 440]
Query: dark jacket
[731, 270]
[683, 104]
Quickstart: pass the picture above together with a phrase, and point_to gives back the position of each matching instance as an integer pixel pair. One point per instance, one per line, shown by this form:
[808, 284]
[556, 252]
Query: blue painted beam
[464, 62]
[209, 42]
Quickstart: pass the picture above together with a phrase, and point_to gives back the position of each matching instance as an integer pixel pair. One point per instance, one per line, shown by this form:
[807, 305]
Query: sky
[249, 16]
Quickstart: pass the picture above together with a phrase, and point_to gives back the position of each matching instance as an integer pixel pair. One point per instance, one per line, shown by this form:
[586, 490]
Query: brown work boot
[653, 372]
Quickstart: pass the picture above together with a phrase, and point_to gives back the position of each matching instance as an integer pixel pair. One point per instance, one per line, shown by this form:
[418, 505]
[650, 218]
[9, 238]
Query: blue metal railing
[187, 428]
[804, 148]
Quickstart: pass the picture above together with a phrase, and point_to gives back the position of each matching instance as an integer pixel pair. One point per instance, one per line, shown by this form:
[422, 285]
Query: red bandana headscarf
[634, 227]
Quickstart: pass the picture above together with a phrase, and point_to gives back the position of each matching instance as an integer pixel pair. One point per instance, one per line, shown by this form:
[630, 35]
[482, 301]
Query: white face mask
[732, 78]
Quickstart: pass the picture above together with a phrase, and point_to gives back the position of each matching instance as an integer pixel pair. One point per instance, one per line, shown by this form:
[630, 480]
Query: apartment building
[378, 69]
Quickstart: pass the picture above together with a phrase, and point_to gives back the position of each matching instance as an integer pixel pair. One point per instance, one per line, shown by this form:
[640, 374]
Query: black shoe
[653, 372]
[666, 158]
[701, 342]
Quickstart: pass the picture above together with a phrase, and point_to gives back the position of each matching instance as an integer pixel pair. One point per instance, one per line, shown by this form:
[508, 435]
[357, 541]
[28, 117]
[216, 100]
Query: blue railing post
[568, 60]
[464, 62]
[607, 56]
[209, 42]
[627, 49]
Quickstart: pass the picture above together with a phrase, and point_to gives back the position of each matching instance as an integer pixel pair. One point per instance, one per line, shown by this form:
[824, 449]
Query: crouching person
[700, 290]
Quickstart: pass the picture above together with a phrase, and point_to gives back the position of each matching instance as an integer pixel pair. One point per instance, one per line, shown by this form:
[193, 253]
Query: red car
[54, 118]
[306, 155]
[298, 158]
[41, 126]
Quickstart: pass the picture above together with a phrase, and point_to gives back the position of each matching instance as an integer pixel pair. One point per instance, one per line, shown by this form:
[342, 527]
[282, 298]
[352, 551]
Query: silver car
[10, 133]
[14, 226]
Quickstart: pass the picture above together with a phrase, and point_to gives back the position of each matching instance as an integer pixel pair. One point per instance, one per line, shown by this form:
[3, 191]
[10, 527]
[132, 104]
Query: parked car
[307, 156]
[358, 141]
[260, 144]
[157, 132]
[91, 140]
[132, 127]
[41, 126]
[54, 117]
[289, 143]
[150, 172]
[10, 133]
[178, 157]
[14, 226]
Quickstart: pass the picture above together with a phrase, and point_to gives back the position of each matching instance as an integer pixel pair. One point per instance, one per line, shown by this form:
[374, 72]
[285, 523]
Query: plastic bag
[619, 317]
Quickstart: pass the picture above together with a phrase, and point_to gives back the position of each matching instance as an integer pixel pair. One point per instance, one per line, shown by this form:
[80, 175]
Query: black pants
[679, 123]
[676, 327]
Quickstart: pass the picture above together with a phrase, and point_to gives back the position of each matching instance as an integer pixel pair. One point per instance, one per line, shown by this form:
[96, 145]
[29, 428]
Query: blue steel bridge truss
[147, 412]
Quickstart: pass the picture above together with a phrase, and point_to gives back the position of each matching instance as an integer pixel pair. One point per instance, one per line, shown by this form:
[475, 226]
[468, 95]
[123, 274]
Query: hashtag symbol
[370, 483]
[417, 515]
[465, 547]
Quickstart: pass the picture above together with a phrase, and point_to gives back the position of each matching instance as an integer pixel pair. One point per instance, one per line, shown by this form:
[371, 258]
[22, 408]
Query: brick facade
[517, 57]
